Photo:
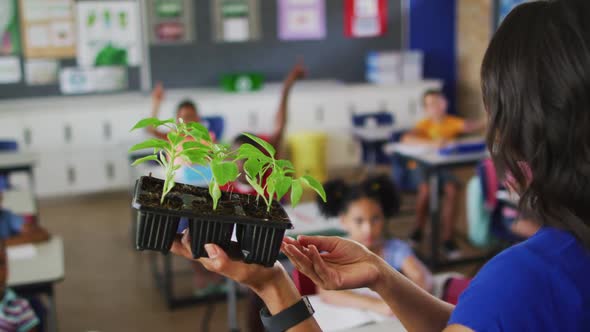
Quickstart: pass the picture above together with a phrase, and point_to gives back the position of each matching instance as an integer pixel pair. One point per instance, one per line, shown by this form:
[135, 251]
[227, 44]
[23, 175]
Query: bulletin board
[202, 62]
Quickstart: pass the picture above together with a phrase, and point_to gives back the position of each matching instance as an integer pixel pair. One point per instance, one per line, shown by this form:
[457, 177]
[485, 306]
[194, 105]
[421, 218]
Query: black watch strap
[287, 318]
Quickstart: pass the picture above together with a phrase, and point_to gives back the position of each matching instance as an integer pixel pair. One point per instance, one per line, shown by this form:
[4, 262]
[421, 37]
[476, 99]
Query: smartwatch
[287, 318]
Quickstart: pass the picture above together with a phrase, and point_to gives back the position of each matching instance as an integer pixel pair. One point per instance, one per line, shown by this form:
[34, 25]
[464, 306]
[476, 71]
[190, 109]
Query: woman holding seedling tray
[536, 88]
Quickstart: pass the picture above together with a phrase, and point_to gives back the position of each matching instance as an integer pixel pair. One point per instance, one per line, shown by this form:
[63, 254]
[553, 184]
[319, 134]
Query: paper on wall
[301, 19]
[41, 71]
[10, 70]
[9, 30]
[48, 27]
[76, 80]
[108, 33]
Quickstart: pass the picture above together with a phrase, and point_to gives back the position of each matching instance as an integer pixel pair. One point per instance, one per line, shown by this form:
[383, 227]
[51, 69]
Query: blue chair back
[215, 124]
[373, 151]
[6, 146]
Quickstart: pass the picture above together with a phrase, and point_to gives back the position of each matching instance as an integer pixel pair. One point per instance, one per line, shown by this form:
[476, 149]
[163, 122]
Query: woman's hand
[342, 264]
[254, 276]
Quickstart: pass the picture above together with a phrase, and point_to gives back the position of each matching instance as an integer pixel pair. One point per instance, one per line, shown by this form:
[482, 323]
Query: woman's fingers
[179, 249]
[217, 261]
[323, 243]
[320, 267]
[302, 263]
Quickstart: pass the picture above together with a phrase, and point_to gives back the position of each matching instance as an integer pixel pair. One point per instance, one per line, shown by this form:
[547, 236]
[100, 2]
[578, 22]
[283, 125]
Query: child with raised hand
[438, 129]
[364, 210]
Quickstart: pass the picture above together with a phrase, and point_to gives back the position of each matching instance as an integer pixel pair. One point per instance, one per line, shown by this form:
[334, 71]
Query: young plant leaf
[150, 122]
[315, 185]
[285, 164]
[198, 131]
[224, 171]
[195, 157]
[154, 143]
[194, 145]
[256, 187]
[252, 167]
[296, 192]
[215, 193]
[264, 144]
[144, 159]
[283, 183]
[174, 138]
[249, 151]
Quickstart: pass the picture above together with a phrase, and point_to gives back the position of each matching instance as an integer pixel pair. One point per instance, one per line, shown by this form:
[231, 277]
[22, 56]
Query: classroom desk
[307, 220]
[394, 326]
[434, 163]
[37, 275]
[17, 161]
[20, 202]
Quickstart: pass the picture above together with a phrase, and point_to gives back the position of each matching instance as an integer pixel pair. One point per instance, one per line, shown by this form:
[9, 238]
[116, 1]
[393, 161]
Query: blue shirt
[10, 224]
[542, 284]
[395, 252]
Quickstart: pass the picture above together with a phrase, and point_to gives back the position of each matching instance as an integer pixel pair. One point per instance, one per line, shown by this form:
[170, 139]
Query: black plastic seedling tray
[259, 234]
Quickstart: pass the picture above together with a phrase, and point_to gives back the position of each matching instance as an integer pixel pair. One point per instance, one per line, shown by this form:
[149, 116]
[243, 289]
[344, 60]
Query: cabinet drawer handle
[71, 175]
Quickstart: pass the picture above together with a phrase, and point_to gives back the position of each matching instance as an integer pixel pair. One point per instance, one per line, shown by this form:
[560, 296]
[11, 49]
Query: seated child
[15, 229]
[16, 314]
[364, 210]
[438, 129]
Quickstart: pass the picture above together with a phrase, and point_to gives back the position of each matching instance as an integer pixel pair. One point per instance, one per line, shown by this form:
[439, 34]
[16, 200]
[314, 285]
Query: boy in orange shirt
[438, 129]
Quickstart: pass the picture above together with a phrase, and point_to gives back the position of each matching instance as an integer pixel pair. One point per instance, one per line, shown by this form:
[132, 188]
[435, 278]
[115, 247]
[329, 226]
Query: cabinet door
[85, 130]
[44, 132]
[51, 174]
[86, 171]
[11, 130]
[117, 169]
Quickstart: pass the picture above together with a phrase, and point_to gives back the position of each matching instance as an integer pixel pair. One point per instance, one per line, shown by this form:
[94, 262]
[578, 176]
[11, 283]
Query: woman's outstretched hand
[333, 263]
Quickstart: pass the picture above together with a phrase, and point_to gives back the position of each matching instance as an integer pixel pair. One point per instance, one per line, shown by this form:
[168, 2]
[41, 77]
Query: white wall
[82, 142]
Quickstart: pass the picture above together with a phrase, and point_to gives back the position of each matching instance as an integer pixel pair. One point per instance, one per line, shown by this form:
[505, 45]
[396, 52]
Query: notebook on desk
[333, 318]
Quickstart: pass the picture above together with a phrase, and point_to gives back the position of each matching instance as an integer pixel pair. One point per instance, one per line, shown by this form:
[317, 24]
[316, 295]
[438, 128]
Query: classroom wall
[433, 30]
[202, 62]
[474, 29]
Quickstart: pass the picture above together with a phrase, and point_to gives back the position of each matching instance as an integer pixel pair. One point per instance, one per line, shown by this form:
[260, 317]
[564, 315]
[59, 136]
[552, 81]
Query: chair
[215, 124]
[304, 285]
[6, 146]
[372, 147]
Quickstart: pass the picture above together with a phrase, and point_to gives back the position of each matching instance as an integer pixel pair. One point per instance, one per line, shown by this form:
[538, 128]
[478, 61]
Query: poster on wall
[48, 28]
[302, 19]
[235, 20]
[9, 29]
[41, 71]
[10, 70]
[505, 6]
[92, 80]
[365, 18]
[108, 33]
[170, 21]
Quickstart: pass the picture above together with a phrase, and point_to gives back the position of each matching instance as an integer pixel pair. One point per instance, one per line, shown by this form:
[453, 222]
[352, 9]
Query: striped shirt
[16, 314]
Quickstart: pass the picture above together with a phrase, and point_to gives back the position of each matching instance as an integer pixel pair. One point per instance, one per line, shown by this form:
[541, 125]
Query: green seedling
[192, 143]
[280, 179]
[271, 178]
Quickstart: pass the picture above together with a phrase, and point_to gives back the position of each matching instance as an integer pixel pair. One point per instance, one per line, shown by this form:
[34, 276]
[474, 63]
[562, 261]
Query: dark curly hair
[379, 188]
[536, 89]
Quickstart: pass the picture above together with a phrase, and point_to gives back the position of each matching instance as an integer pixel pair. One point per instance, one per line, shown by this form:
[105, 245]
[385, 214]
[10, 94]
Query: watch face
[308, 305]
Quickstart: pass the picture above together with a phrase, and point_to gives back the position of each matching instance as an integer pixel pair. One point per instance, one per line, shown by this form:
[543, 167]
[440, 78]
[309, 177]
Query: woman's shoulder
[521, 287]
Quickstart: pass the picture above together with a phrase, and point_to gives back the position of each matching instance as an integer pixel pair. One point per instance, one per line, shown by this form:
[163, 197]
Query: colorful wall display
[365, 18]
[301, 19]
[41, 71]
[9, 29]
[171, 21]
[90, 80]
[10, 71]
[48, 28]
[108, 33]
[235, 20]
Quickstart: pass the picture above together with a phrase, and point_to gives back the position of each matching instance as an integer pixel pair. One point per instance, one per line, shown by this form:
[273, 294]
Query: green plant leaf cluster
[271, 178]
